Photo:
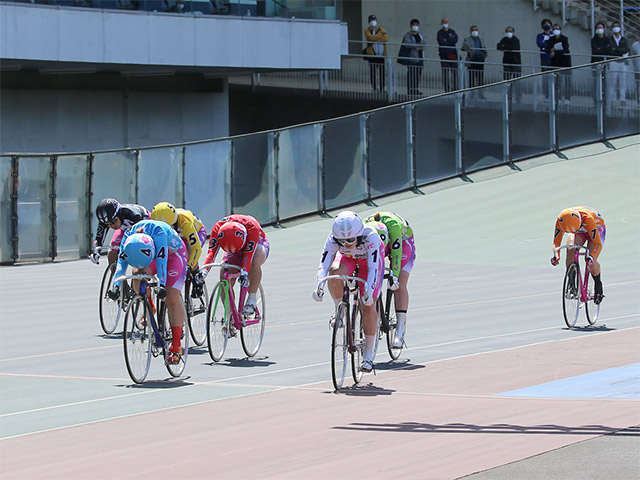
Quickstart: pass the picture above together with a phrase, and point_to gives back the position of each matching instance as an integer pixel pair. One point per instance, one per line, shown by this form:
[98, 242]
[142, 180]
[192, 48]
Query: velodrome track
[492, 381]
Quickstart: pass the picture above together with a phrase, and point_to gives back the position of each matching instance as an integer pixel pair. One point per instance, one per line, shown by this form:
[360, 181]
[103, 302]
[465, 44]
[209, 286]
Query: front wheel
[252, 332]
[197, 316]
[571, 295]
[218, 322]
[137, 338]
[176, 369]
[109, 309]
[339, 346]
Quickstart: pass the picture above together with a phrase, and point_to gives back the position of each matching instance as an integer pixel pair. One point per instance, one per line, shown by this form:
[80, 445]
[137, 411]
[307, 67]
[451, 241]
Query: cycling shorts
[581, 238]
[236, 258]
[176, 268]
[363, 270]
[408, 254]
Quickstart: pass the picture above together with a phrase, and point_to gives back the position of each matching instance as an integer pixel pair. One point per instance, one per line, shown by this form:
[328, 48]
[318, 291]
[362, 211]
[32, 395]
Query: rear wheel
[592, 310]
[176, 369]
[217, 322]
[571, 295]
[110, 310]
[197, 316]
[358, 343]
[137, 339]
[392, 319]
[339, 346]
[252, 333]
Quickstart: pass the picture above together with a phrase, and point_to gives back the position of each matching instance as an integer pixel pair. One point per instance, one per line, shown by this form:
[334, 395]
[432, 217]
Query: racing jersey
[398, 231]
[165, 240]
[187, 227]
[255, 235]
[590, 221]
[128, 214]
[366, 248]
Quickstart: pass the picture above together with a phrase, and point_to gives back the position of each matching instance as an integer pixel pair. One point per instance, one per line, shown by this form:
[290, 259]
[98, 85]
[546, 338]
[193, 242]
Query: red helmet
[231, 236]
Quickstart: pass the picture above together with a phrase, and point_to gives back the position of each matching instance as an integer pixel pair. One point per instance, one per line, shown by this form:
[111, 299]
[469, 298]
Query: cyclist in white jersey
[351, 243]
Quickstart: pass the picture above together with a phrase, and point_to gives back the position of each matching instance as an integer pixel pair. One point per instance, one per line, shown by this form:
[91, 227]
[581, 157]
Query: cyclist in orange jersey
[583, 224]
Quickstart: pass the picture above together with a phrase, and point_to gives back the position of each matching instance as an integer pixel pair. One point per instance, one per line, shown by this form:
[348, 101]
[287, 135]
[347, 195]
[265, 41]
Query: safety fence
[47, 201]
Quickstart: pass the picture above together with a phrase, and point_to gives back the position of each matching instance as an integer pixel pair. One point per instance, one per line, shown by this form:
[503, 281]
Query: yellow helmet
[569, 220]
[165, 212]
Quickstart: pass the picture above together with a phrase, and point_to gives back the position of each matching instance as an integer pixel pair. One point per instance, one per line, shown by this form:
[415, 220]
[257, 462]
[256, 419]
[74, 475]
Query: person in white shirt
[617, 83]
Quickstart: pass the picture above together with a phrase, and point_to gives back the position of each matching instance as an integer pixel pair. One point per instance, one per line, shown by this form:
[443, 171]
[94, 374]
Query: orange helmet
[569, 220]
[231, 236]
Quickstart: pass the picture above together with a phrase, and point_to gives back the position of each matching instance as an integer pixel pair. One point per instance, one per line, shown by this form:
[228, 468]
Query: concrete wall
[85, 120]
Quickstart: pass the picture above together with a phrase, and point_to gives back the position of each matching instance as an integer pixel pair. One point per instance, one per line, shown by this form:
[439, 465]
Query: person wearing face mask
[635, 62]
[558, 48]
[377, 52]
[476, 54]
[447, 40]
[617, 84]
[411, 54]
[545, 59]
[511, 59]
[600, 50]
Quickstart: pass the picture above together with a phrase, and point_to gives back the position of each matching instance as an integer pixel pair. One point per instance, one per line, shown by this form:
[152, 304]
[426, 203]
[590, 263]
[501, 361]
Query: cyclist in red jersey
[246, 245]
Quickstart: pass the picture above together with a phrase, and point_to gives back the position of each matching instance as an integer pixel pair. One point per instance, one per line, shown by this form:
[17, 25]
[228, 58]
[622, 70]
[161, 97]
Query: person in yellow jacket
[376, 52]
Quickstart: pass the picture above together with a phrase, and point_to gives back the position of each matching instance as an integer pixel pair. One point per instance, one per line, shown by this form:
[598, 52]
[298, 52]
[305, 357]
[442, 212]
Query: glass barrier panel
[529, 118]
[389, 163]
[34, 208]
[576, 105]
[71, 207]
[253, 180]
[622, 99]
[114, 175]
[160, 176]
[6, 246]
[483, 138]
[299, 160]
[435, 139]
[206, 176]
[344, 169]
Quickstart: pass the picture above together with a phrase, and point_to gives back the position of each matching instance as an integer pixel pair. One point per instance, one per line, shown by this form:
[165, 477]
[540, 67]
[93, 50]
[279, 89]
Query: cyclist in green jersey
[400, 248]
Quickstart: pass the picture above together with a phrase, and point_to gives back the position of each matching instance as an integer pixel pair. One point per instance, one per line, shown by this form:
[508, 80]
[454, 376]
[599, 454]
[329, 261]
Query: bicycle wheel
[339, 346]
[175, 370]
[197, 316]
[252, 333]
[392, 319]
[109, 309]
[217, 322]
[137, 338]
[358, 343]
[592, 310]
[571, 295]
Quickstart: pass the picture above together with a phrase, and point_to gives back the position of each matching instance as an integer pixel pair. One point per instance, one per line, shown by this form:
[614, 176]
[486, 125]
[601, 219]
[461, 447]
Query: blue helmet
[138, 250]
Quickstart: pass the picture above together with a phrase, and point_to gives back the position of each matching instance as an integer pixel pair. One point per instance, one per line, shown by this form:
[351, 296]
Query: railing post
[599, 101]
[273, 141]
[461, 75]
[507, 89]
[321, 169]
[411, 151]
[137, 188]
[553, 111]
[184, 172]
[564, 12]
[232, 156]
[89, 196]
[321, 82]
[52, 216]
[458, 126]
[365, 132]
[593, 18]
[13, 192]
[389, 79]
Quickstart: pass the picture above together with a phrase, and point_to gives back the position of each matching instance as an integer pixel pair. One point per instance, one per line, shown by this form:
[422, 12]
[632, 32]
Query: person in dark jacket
[448, 53]
[511, 58]
[600, 44]
[558, 49]
[545, 61]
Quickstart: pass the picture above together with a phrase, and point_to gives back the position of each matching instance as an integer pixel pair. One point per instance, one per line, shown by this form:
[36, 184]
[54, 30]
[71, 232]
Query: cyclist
[111, 214]
[245, 245]
[192, 231]
[583, 224]
[400, 248]
[351, 243]
[152, 247]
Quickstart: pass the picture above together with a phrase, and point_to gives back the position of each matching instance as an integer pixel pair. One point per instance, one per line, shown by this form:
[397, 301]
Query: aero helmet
[107, 210]
[138, 250]
[569, 220]
[231, 236]
[165, 212]
[347, 225]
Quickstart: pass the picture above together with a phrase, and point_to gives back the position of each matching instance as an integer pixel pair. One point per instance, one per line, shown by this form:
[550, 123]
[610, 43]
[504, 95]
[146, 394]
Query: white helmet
[347, 225]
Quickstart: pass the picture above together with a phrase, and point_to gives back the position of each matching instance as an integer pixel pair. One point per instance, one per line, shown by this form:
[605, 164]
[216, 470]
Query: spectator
[447, 39]
[377, 52]
[558, 48]
[600, 50]
[635, 62]
[617, 84]
[545, 60]
[476, 54]
[511, 59]
[413, 46]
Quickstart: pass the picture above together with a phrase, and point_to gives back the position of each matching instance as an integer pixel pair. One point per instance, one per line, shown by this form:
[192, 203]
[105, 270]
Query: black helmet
[107, 210]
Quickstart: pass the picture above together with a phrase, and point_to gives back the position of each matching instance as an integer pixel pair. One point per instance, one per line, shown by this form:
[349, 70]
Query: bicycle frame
[145, 283]
[580, 251]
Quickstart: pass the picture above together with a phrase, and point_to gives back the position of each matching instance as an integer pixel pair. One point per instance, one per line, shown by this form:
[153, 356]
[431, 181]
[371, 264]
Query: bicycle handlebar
[135, 277]
[341, 277]
[221, 265]
[572, 247]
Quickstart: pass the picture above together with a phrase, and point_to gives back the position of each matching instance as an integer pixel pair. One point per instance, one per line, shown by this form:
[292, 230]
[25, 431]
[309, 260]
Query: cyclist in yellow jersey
[400, 248]
[189, 227]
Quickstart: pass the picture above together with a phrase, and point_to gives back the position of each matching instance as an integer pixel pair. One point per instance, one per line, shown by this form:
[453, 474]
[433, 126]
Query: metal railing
[47, 200]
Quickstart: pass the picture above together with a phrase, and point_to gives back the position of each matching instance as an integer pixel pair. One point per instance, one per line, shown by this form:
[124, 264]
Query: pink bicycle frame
[580, 251]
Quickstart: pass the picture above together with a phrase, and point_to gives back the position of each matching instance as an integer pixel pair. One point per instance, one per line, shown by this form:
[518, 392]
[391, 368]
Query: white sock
[336, 301]
[402, 322]
[369, 345]
[251, 299]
